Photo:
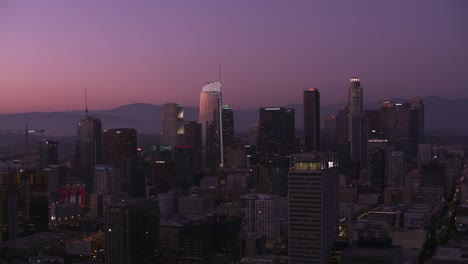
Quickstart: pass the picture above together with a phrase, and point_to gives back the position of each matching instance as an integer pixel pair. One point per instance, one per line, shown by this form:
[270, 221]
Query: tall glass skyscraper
[88, 147]
[209, 117]
[355, 96]
[357, 122]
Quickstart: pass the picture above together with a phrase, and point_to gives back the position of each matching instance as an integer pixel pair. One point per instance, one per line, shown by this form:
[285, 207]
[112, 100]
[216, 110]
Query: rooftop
[212, 87]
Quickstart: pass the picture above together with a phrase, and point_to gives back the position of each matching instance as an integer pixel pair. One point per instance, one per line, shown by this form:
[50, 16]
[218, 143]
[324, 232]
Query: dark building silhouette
[403, 125]
[193, 134]
[119, 143]
[227, 116]
[276, 133]
[48, 153]
[329, 138]
[193, 137]
[184, 157]
[312, 120]
[130, 229]
[377, 168]
[88, 148]
[172, 131]
[433, 174]
[272, 175]
[374, 129]
[135, 171]
[357, 122]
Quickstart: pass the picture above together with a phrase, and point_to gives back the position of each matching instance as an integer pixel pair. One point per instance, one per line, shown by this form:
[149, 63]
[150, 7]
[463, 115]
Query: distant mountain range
[443, 117]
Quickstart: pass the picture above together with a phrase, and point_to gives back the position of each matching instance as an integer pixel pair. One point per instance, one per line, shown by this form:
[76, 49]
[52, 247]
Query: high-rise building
[193, 134]
[357, 122]
[417, 126]
[374, 129]
[355, 96]
[119, 143]
[172, 131]
[330, 133]
[276, 134]
[105, 181]
[312, 120]
[253, 134]
[209, 117]
[262, 215]
[228, 125]
[403, 125]
[88, 148]
[48, 153]
[193, 137]
[313, 208]
[130, 229]
[396, 174]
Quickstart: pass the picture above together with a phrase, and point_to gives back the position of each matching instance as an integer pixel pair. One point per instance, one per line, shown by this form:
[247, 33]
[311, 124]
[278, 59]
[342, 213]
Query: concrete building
[313, 208]
[172, 131]
[396, 170]
[262, 215]
[130, 228]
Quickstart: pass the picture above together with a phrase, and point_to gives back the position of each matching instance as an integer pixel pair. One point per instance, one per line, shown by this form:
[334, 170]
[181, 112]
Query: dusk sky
[159, 51]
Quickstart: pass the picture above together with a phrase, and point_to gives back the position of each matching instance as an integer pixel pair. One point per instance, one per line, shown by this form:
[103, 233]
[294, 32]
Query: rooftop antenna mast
[86, 101]
[220, 73]
[220, 121]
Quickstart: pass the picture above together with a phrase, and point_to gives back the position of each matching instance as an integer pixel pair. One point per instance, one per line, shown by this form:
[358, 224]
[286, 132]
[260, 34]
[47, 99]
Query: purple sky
[159, 51]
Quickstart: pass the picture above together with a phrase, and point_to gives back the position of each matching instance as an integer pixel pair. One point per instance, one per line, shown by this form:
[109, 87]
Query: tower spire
[220, 72]
[86, 102]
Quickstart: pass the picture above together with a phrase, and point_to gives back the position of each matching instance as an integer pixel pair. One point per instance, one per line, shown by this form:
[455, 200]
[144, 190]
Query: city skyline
[162, 52]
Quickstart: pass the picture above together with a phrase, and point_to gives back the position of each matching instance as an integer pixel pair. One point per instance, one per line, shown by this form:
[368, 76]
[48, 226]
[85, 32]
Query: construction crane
[26, 132]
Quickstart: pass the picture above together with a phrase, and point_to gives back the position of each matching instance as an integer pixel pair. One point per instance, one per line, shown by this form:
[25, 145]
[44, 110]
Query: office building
[227, 116]
[130, 229]
[276, 133]
[396, 171]
[48, 153]
[330, 133]
[313, 208]
[119, 143]
[105, 181]
[88, 148]
[262, 215]
[357, 122]
[312, 120]
[209, 117]
[172, 131]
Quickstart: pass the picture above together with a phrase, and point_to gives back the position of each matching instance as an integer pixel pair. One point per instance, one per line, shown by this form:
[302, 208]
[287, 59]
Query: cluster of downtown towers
[354, 138]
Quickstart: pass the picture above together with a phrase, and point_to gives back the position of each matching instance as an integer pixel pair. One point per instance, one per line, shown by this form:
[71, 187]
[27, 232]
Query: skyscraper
[228, 125]
[130, 230]
[355, 96]
[209, 117]
[403, 125]
[119, 143]
[396, 170]
[312, 120]
[313, 208]
[48, 153]
[172, 131]
[357, 122]
[276, 133]
[88, 148]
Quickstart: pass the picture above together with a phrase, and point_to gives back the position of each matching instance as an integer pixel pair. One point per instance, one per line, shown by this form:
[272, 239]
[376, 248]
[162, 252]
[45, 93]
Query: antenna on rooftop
[86, 102]
[220, 73]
